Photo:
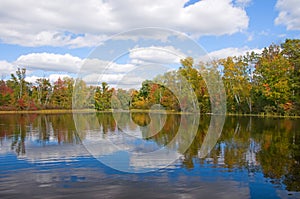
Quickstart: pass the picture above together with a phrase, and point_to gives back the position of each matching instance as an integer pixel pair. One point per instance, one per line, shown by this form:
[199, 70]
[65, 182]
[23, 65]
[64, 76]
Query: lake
[141, 155]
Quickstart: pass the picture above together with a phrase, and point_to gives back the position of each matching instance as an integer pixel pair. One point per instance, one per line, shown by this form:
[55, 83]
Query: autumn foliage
[256, 83]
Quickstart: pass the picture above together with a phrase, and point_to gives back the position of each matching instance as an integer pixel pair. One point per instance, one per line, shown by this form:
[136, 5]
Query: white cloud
[50, 62]
[32, 79]
[90, 65]
[243, 3]
[156, 54]
[143, 63]
[289, 14]
[68, 63]
[52, 77]
[53, 66]
[226, 52]
[77, 23]
[6, 69]
[129, 81]
[120, 80]
[95, 78]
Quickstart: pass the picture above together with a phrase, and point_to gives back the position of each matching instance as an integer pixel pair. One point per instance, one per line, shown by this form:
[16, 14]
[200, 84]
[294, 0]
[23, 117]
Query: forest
[265, 83]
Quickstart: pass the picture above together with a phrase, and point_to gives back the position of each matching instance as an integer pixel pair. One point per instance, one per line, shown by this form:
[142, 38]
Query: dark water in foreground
[43, 156]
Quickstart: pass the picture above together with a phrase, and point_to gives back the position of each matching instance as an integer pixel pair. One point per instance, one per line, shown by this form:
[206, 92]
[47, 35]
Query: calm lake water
[51, 156]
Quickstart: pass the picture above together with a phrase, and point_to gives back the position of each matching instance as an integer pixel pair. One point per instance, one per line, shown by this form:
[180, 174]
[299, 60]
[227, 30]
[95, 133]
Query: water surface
[45, 156]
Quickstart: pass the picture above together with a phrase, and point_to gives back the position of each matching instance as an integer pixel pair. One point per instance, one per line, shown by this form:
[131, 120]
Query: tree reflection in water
[267, 145]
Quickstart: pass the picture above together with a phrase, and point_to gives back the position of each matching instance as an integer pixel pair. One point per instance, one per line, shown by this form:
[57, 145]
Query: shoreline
[64, 111]
[48, 111]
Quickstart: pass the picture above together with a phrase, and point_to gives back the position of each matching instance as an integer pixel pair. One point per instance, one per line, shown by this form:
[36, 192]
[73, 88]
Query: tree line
[255, 83]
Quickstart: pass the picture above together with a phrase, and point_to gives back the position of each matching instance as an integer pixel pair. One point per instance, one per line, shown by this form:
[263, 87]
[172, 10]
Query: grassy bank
[263, 115]
[49, 111]
[63, 111]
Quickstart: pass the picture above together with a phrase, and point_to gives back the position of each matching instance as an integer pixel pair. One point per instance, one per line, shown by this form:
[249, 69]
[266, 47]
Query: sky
[59, 38]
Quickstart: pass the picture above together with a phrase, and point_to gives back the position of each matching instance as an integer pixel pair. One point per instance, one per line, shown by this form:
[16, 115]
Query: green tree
[6, 95]
[62, 93]
[237, 84]
[20, 88]
[124, 98]
[103, 97]
[212, 98]
[44, 89]
[291, 51]
[83, 95]
[273, 80]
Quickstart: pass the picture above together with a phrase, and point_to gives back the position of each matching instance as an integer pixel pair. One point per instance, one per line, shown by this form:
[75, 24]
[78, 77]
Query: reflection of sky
[85, 176]
[128, 153]
[48, 168]
[71, 166]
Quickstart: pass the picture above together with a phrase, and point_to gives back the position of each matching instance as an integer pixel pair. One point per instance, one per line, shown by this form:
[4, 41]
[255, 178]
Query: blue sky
[56, 37]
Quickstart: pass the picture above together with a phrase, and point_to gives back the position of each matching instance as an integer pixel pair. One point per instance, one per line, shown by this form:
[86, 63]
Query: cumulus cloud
[6, 68]
[93, 65]
[243, 3]
[142, 63]
[156, 54]
[32, 79]
[289, 14]
[121, 80]
[69, 63]
[50, 62]
[52, 77]
[226, 52]
[92, 70]
[96, 78]
[76, 23]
